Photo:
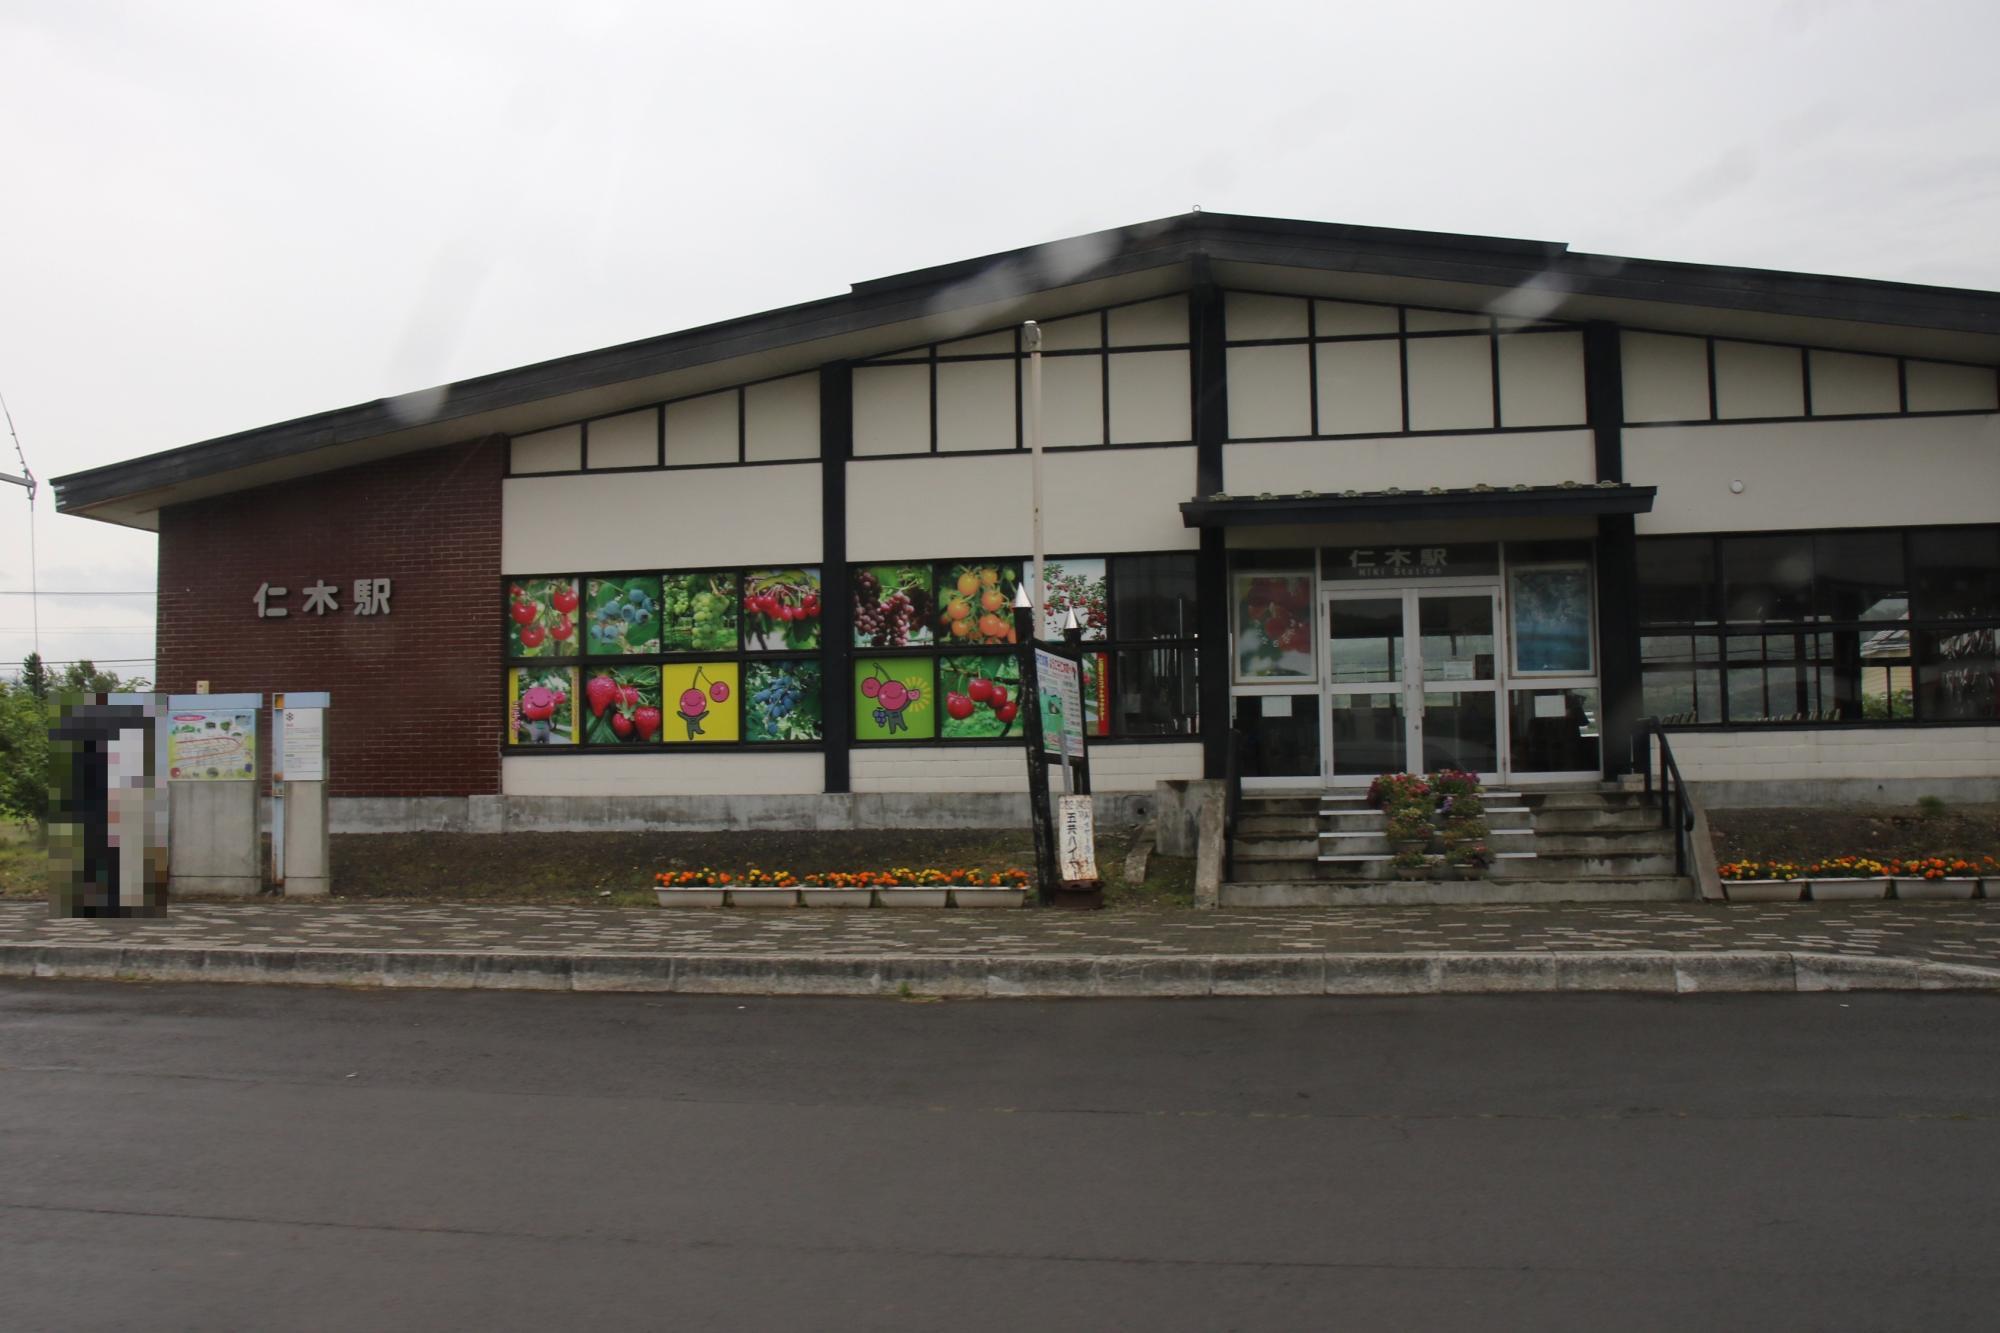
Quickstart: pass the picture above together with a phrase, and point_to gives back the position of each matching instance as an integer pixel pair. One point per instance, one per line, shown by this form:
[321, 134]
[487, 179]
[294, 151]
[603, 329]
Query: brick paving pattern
[1967, 932]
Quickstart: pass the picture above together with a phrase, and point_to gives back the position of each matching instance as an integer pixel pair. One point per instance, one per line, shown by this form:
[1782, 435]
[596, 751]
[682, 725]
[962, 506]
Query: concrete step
[1275, 849]
[1578, 820]
[1584, 865]
[1278, 805]
[1624, 842]
[1587, 800]
[1403, 893]
[1265, 826]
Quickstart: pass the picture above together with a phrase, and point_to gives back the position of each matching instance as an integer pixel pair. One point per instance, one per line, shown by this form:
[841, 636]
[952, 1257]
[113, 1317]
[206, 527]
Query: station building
[1376, 500]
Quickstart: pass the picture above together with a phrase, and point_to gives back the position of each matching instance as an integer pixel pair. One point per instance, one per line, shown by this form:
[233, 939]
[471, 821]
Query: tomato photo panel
[892, 605]
[781, 609]
[783, 701]
[894, 699]
[542, 617]
[622, 615]
[621, 706]
[982, 696]
[541, 706]
[976, 602]
[702, 702]
[700, 613]
[1078, 585]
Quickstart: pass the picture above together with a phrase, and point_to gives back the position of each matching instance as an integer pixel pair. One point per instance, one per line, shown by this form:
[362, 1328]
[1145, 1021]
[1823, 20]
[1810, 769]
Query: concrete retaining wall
[701, 814]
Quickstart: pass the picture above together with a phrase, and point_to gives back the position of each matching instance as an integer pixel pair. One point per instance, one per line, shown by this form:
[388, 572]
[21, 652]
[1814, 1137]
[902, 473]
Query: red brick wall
[417, 699]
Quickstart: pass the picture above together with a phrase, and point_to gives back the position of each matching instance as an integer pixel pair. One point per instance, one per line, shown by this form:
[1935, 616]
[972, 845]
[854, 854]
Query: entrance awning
[1569, 498]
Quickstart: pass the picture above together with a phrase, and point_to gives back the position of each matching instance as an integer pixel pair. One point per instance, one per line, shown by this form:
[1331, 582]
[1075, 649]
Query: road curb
[1644, 972]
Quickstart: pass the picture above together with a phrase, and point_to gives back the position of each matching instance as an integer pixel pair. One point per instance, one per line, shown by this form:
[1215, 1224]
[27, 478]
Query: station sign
[1409, 560]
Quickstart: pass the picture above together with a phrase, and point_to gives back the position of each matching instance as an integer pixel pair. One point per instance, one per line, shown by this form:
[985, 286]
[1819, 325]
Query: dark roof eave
[1533, 502]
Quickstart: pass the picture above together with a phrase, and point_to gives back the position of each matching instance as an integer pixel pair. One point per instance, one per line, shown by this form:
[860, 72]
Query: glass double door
[1412, 682]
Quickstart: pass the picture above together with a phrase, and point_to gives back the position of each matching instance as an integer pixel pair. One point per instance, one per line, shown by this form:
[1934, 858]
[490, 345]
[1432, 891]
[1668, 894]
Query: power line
[75, 592]
[27, 480]
[93, 661]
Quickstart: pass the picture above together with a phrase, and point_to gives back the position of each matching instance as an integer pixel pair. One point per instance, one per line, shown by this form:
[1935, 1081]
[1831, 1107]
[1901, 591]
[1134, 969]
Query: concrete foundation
[1763, 794]
[1180, 807]
[308, 845]
[707, 814]
[214, 845]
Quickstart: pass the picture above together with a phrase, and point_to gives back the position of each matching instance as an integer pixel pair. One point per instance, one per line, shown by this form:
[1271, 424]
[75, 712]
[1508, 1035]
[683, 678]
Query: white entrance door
[1412, 682]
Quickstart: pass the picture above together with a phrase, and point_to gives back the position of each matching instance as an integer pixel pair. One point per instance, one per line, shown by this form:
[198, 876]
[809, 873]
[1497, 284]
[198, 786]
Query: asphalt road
[215, 1157]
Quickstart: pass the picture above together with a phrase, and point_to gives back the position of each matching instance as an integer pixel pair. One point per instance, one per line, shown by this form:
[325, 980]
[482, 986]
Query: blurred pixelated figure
[107, 820]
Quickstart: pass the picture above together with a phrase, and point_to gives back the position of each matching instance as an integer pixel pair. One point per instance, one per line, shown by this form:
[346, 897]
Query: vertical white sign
[1058, 680]
[305, 745]
[1076, 838]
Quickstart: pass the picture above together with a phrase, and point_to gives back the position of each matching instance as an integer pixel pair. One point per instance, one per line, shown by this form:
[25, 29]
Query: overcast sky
[222, 215]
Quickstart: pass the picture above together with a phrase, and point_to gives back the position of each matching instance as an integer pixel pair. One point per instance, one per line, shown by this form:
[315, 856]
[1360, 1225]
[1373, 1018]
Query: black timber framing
[1018, 274]
[1210, 388]
[1414, 506]
[1619, 679]
[836, 640]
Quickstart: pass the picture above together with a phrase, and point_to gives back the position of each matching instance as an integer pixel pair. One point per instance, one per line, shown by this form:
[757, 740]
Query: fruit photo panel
[1081, 585]
[892, 605]
[1273, 626]
[621, 705]
[982, 697]
[699, 612]
[541, 706]
[895, 699]
[782, 700]
[976, 602]
[622, 615]
[702, 702]
[542, 617]
[780, 609]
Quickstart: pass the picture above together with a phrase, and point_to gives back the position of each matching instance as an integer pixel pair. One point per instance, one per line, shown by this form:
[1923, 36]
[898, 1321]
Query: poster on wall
[976, 602]
[541, 617]
[892, 605]
[541, 707]
[1057, 679]
[703, 701]
[623, 615]
[1079, 585]
[784, 701]
[781, 609]
[982, 697]
[621, 706]
[699, 613]
[894, 699]
[1273, 630]
[212, 745]
[1097, 694]
[1550, 610]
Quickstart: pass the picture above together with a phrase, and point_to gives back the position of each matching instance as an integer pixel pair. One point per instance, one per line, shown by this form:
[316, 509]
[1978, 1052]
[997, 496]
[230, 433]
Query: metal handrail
[1676, 809]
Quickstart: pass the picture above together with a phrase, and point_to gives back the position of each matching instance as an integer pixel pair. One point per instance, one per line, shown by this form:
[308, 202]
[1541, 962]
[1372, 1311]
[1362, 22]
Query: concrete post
[308, 846]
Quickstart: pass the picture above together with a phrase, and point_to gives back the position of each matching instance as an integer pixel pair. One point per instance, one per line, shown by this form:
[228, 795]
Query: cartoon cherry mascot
[694, 701]
[538, 708]
[891, 698]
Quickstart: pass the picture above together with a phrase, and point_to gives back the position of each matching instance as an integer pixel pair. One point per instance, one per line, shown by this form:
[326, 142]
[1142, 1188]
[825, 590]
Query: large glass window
[1876, 625]
[652, 658]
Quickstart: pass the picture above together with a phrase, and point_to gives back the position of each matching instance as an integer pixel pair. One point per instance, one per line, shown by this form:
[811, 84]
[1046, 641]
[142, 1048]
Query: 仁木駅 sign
[1410, 560]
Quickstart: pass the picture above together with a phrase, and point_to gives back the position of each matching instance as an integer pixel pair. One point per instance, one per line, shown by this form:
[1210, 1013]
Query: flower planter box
[1990, 887]
[763, 897]
[820, 896]
[691, 897]
[1764, 890]
[912, 897]
[1849, 890]
[982, 896]
[1936, 890]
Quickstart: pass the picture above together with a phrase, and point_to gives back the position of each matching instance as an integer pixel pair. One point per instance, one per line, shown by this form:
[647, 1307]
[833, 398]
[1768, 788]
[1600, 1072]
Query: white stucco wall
[1873, 754]
[677, 774]
[1818, 474]
[944, 507]
[661, 520]
[1533, 458]
[942, 768]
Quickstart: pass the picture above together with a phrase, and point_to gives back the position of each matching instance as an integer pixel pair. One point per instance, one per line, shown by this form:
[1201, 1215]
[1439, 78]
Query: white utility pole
[1031, 340]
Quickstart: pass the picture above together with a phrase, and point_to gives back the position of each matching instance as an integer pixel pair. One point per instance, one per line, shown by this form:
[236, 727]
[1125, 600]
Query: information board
[1061, 689]
[303, 756]
[212, 745]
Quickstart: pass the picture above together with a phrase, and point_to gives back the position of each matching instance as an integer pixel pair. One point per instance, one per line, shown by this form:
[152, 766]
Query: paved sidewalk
[1673, 948]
